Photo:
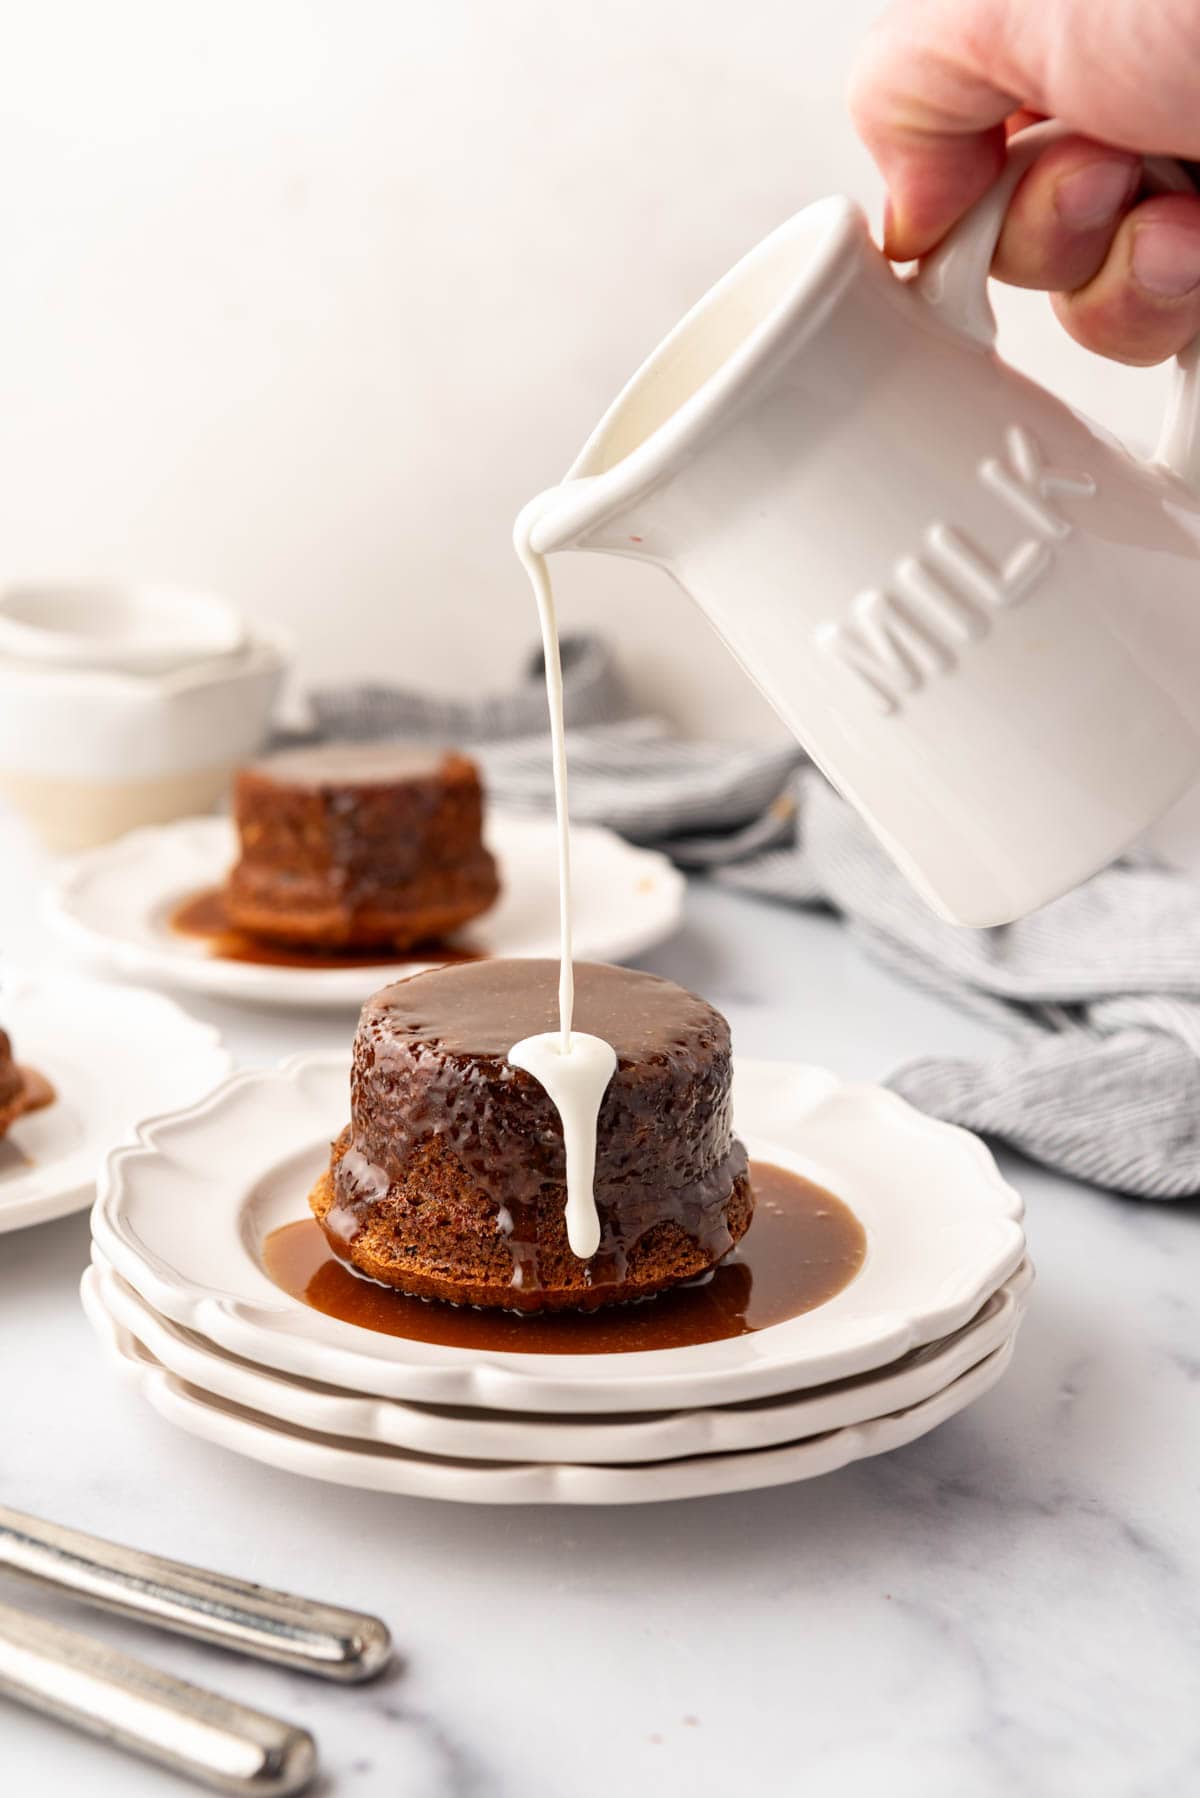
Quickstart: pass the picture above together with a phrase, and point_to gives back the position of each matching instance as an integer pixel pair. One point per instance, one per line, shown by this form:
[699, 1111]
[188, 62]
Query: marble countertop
[1010, 1606]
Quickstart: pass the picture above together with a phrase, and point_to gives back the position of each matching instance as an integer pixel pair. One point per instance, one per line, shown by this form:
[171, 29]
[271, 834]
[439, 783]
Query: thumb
[938, 78]
[934, 125]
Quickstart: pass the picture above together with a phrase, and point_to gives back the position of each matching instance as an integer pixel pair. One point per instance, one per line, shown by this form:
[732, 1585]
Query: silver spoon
[211, 1607]
[94, 1687]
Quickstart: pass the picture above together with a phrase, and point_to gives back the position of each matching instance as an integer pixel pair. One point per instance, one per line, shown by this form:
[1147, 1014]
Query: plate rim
[650, 1380]
[19, 984]
[566, 1483]
[481, 1435]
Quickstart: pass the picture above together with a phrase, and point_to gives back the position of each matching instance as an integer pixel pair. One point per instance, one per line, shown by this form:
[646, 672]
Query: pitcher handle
[953, 279]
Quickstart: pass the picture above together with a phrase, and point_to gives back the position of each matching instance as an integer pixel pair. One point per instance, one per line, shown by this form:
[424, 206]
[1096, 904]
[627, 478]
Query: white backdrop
[303, 300]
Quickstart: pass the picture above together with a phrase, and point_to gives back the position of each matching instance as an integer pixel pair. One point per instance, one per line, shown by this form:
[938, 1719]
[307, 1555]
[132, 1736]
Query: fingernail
[1095, 194]
[1166, 259]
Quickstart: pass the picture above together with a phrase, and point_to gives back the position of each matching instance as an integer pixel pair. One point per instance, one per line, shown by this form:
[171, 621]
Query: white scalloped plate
[377, 1469]
[113, 1055]
[115, 904]
[597, 1441]
[183, 1212]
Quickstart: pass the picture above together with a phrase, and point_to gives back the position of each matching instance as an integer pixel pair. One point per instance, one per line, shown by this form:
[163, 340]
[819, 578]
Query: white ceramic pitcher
[977, 611]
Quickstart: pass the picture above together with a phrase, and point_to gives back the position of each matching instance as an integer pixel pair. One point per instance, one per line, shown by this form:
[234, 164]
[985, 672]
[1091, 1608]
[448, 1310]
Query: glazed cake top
[320, 765]
[480, 1009]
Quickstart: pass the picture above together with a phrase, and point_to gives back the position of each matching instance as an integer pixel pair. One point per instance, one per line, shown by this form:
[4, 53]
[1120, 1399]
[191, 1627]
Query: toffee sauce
[206, 915]
[803, 1246]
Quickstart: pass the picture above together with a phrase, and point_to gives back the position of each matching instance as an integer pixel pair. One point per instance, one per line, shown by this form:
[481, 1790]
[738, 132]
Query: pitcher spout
[563, 517]
[740, 334]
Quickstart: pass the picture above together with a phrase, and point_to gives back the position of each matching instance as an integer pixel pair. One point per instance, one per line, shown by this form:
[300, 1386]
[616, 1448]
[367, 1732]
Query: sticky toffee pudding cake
[21, 1090]
[12, 1085]
[448, 1182]
[349, 846]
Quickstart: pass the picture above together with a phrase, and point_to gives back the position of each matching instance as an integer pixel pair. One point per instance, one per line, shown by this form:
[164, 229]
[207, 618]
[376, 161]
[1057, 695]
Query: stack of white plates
[178, 1294]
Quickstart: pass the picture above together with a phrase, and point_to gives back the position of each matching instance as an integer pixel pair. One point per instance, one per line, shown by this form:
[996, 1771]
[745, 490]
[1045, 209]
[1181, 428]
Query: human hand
[939, 86]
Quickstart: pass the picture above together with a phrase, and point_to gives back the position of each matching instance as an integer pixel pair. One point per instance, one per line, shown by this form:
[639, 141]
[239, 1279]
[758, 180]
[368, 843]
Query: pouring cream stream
[574, 1068]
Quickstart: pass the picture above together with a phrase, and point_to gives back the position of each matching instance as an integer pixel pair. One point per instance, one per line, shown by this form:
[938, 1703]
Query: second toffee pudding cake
[353, 846]
[21, 1090]
[449, 1182]
[12, 1085]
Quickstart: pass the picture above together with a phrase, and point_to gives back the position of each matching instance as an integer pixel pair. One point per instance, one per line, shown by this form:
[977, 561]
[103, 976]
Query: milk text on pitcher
[946, 597]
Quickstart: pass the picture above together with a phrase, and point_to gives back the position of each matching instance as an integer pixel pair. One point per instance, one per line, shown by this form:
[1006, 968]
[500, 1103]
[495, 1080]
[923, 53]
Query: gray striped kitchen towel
[1098, 994]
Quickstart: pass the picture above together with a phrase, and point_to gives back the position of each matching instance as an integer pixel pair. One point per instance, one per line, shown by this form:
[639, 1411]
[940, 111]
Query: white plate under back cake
[114, 905]
[183, 1213]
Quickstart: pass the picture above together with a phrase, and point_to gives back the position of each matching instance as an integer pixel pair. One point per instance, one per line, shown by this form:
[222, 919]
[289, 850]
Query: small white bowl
[125, 629]
[88, 754]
